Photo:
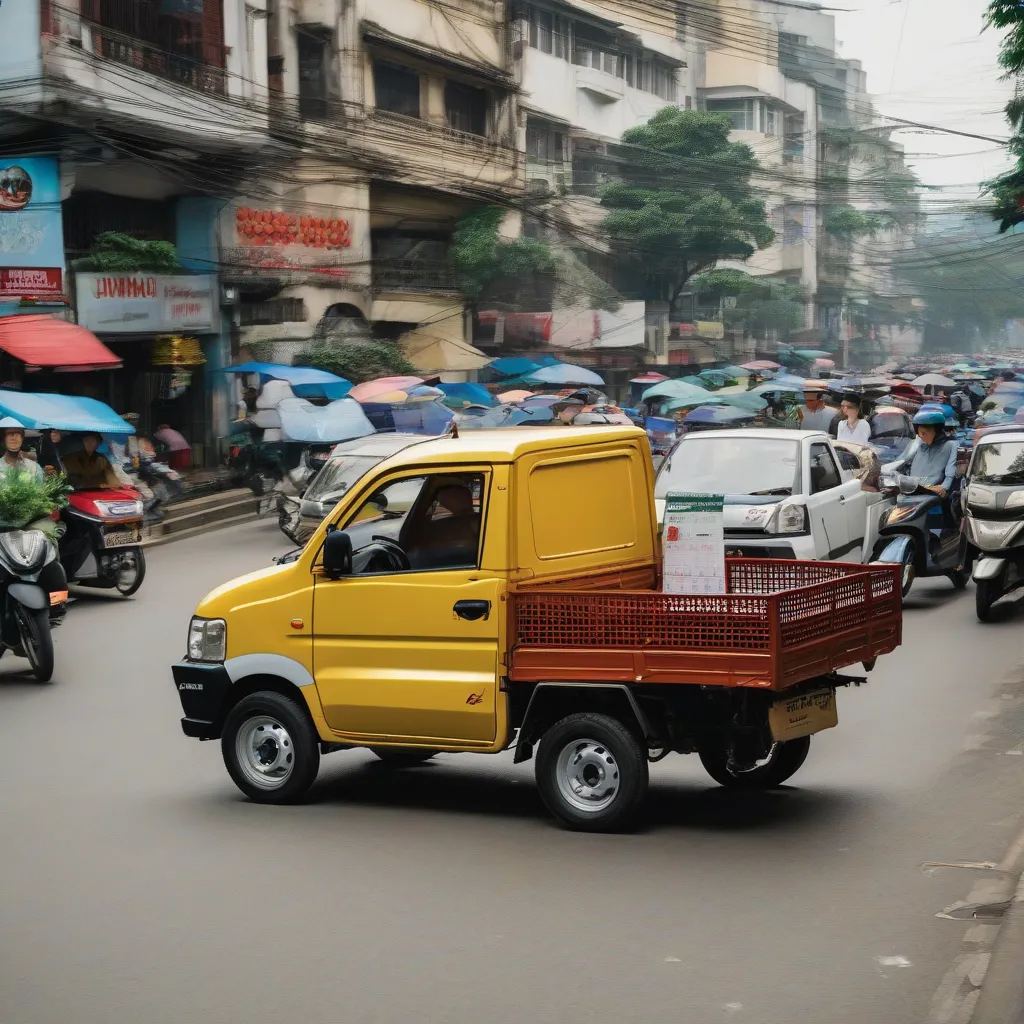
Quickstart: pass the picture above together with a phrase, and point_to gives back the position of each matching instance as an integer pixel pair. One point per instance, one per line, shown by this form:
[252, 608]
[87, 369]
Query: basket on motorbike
[780, 623]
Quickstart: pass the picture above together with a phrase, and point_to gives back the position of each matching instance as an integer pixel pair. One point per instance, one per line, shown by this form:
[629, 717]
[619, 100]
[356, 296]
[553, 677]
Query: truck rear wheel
[783, 762]
[591, 772]
[270, 748]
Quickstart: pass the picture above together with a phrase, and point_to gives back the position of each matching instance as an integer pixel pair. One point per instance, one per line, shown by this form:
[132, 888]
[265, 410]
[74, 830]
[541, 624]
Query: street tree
[683, 200]
[1007, 191]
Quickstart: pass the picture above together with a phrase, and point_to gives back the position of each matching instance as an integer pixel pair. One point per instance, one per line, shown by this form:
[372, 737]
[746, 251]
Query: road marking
[971, 865]
[893, 961]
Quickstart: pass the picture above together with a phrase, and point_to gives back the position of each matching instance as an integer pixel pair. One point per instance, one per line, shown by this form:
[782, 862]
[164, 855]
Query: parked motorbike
[287, 495]
[25, 626]
[921, 533]
[164, 482]
[995, 517]
[101, 546]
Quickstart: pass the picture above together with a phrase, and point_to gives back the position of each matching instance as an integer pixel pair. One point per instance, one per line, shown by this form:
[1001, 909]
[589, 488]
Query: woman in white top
[851, 426]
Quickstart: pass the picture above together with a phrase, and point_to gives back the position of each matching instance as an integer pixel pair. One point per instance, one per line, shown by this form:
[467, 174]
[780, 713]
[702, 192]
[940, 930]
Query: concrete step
[154, 540]
[197, 514]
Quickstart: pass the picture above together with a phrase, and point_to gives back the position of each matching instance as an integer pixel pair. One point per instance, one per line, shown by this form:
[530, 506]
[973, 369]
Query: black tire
[292, 748]
[36, 641]
[784, 762]
[588, 742]
[140, 575]
[959, 579]
[908, 571]
[986, 593]
[402, 757]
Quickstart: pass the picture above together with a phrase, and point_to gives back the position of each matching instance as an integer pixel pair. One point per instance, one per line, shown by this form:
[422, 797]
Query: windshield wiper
[783, 491]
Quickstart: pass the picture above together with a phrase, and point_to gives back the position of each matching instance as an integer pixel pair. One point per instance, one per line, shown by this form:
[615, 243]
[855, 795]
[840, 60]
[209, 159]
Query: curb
[217, 524]
[1002, 994]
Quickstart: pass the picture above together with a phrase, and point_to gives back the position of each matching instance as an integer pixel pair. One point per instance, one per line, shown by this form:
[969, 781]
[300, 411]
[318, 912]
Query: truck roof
[510, 443]
[764, 433]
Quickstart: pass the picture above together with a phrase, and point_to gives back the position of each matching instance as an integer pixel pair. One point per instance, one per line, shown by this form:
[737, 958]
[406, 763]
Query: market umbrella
[648, 378]
[742, 399]
[810, 353]
[774, 385]
[468, 393]
[679, 391]
[933, 380]
[824, 363]
[341, 420]
[563, 373]
[761, 364]
[508, 397]
[44, 411]
[305, 381]
[721, 414]
[370, 389]
[675, 404]
[513, 366]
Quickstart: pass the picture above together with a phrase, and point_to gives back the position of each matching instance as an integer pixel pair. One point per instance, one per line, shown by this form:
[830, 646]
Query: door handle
[472, 610]
[842, 499]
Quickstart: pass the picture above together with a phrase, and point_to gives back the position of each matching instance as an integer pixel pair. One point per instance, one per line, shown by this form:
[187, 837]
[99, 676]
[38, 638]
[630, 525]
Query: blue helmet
[930, 416]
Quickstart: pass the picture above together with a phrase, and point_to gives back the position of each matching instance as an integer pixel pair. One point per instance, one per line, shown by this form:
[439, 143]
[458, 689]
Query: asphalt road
[139, 887]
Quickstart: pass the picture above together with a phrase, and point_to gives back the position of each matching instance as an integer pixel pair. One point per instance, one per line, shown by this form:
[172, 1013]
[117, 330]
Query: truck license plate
[794, 717]
[122, 538]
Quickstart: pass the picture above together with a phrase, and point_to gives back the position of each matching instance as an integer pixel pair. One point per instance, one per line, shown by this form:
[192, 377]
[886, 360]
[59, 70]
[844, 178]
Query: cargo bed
[780, 623]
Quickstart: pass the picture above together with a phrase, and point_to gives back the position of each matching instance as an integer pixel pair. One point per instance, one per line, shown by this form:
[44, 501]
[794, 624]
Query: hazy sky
[929, 61]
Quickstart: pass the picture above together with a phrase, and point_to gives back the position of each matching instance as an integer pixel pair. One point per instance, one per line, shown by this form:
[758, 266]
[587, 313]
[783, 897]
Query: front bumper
[773, 546]
[202, 690]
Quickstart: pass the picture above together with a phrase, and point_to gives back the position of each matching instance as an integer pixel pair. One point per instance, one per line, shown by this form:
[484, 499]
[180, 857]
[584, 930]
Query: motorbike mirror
[909, 484]
[337, 554]
[380, 499]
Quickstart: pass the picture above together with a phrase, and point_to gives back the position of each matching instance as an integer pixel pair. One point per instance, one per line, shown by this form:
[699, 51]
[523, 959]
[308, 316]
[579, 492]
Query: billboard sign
[147, 303]
[31, 232]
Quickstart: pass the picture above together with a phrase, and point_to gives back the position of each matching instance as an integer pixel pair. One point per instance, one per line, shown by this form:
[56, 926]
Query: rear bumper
[202, 690]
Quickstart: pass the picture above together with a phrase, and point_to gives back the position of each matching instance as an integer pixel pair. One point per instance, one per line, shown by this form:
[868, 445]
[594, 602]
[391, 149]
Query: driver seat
[450, 539]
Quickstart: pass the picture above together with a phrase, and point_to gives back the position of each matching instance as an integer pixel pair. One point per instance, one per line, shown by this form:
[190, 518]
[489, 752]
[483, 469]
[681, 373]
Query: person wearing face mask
[14, 458]
[87, 469]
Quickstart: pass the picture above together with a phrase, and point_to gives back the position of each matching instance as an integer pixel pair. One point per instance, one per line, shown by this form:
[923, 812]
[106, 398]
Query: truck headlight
[207, 639]
[791, 518]
[1015, 500]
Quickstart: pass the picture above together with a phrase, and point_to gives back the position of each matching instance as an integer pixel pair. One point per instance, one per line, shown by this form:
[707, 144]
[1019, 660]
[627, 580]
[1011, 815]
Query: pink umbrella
[369, 390]
[650, 377]
[514, 396]
[760, 364]
[825, 364]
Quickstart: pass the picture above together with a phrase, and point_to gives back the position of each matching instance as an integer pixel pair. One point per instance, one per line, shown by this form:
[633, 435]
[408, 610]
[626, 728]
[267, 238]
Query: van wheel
[270, 748]
[591, 772]
[402, 757]
[986, 593]
[784, 760]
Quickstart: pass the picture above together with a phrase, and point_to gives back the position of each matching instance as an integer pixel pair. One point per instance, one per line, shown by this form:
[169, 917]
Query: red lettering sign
[127, 286]
[272, 227]
[34, 282]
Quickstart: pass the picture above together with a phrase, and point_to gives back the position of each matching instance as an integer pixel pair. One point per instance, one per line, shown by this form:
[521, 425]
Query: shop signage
[694, 544]
[31, 232]
[710, 329]
[146, 303]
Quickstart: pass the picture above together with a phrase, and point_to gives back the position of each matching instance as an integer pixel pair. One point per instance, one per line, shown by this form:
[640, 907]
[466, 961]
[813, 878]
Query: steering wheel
[395, 550]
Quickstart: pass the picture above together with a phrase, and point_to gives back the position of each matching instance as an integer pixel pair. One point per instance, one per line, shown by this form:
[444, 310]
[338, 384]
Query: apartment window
[657, 78]
[397, 88]
[742, 113]
[312, 77]
[543, 144]
[465, 108]
[771, 123]
[549, 33]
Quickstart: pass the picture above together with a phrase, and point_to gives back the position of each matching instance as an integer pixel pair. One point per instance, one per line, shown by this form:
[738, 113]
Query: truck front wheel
[270, 748]
[591, 772]
[784, 760]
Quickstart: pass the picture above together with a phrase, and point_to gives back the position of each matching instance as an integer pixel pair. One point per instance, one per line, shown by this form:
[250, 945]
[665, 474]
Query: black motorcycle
[922, 533]
[28, 566]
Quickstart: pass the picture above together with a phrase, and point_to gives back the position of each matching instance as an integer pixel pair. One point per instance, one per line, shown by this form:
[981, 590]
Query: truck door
[407, 648]
[856, 501]
[826, 506]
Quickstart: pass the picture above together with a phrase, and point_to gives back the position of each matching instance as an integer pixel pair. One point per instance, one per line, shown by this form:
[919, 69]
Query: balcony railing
[408, 275]
[130, 32]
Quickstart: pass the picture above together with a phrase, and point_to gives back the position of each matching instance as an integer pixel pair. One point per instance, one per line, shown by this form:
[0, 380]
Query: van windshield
[999, 464]
[726, 465]
[340, 473]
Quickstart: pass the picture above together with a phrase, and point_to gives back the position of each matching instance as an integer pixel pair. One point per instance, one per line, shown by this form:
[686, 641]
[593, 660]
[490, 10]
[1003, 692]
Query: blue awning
[43, 411]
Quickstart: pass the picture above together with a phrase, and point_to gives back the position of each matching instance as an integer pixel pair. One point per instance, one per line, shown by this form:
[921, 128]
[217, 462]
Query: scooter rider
[932, 457]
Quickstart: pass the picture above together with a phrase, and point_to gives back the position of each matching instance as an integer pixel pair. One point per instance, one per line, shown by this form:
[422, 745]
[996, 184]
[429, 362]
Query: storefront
[158, 326]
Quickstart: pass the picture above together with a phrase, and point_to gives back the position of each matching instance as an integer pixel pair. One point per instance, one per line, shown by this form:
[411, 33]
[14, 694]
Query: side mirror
[380, 499]
[337, 554]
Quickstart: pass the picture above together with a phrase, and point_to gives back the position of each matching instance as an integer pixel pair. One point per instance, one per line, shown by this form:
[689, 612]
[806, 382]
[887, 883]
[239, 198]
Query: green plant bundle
[25, 498]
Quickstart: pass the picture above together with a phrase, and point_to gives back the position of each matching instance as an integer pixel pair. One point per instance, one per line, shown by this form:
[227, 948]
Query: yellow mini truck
[512, 597]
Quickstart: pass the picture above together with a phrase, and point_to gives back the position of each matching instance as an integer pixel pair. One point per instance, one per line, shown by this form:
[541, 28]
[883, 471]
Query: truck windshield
[339, 475]
[731, 465]
[999, 464]
[890, 426]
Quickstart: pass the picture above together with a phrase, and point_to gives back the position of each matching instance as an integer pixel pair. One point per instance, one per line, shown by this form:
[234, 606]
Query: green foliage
[357, 363]
[848, 223]
[1007, 191]
[716, 284]
[761, 305]
[683, 201]
[261, 351]
[117, 253]
[25, 498]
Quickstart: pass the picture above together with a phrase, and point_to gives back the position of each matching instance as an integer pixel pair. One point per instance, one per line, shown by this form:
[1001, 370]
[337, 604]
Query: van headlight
[207, 639]
[791, 518]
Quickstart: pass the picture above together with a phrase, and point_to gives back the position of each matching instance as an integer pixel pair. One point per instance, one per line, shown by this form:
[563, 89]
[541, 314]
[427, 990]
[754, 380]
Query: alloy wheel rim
[265, 752]
[587, 775]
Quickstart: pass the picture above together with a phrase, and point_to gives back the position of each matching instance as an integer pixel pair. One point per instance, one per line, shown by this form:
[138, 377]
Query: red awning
[47, 341]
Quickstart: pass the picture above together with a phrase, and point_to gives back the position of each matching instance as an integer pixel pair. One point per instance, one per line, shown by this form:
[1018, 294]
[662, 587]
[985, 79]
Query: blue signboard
[31, 233]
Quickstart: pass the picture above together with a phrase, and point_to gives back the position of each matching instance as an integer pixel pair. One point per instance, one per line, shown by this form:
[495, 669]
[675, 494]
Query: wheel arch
[550, 702]
[247, 685]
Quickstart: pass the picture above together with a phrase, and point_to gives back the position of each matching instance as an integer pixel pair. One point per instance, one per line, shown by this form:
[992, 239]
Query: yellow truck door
[410, 652]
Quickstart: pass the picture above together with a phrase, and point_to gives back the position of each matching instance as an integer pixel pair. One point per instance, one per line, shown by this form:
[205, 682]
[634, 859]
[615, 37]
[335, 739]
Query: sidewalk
[1002, 993]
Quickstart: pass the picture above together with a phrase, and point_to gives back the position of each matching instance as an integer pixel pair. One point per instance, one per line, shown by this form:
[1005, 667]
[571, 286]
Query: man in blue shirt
[932, 457]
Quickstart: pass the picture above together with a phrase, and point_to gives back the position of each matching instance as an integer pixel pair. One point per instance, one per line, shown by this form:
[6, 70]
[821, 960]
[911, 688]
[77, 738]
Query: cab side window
[422, 524]
[824, 471]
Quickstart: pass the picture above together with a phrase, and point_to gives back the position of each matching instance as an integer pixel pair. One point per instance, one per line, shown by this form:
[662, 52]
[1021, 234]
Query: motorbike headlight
[23, 551]
[207, 639]
[899, 513]
[1015, 500]
[119, 509]
[989, 535]
[789, 518]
